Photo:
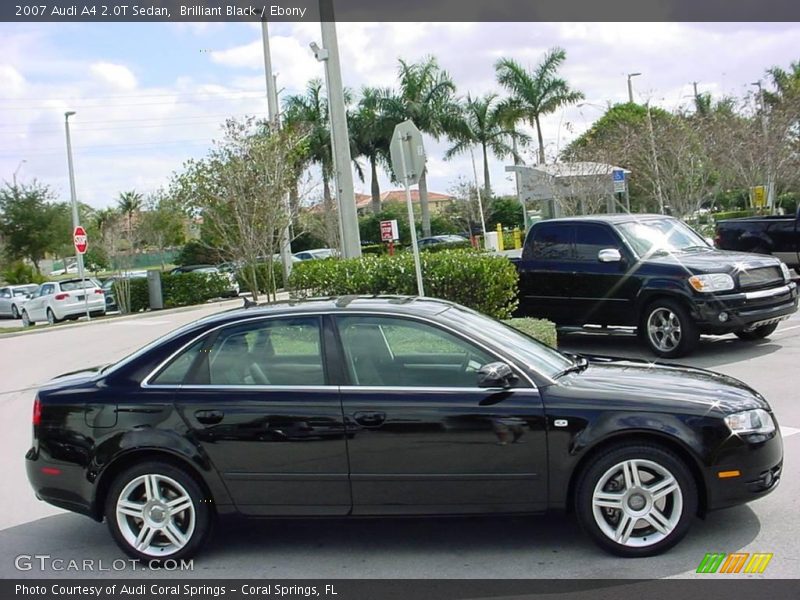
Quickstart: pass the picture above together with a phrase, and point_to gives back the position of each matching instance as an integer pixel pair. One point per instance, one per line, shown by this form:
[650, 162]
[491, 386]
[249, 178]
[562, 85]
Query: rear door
[545, 270]
[423, 437]
[259, 402]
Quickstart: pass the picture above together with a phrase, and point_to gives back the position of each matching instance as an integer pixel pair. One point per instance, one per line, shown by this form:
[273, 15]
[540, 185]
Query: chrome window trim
[514, 362]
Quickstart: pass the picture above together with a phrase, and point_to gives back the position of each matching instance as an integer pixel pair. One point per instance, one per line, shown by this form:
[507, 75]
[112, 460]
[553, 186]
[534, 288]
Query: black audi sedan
[377, 406]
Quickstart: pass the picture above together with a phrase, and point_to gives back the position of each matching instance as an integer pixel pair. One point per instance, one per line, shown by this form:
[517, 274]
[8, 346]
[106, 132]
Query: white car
[12, 297]
[55, 301]
[316, 254]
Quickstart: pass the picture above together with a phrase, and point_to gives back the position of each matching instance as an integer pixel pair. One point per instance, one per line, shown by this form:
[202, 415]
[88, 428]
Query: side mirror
[496, 375]
[609, 255]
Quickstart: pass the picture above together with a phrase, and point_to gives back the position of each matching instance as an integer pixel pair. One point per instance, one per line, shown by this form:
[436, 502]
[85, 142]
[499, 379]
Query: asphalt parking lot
[486, 547]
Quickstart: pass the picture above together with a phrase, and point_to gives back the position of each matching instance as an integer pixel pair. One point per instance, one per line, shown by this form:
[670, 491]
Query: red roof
[364, 200]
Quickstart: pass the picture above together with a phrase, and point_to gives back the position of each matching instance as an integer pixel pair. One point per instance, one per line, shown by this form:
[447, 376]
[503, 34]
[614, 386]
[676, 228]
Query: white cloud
[116, 76]
[12, 83]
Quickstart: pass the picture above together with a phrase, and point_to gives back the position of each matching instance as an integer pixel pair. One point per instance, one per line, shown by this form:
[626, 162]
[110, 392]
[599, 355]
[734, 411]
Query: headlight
[715, 282]
[785, 270]
[750, 421]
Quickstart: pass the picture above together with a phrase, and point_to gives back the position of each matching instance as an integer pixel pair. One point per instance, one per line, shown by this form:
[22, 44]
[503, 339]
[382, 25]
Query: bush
[483, 282]
[262, 277]
[377, 249]
[195, 252]
[19, 273]
[734, 214]
[539, 329]
[181, 289]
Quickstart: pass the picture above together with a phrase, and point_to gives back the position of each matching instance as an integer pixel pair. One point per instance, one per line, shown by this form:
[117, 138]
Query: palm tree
[787, 83]
[483, 121]
[129, 203]
[538, 92]
[426, 96]
[371, 133]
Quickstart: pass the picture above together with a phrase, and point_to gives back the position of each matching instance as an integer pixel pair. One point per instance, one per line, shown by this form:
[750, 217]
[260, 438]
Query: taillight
[61, 296]
[99, 291]
[37, 411]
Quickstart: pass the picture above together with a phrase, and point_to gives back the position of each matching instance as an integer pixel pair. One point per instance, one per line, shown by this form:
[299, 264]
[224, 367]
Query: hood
[656, 386]
[715, 261]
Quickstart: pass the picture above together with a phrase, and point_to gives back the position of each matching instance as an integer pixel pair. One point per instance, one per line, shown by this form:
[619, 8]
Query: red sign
[80, 240]
[389, 231]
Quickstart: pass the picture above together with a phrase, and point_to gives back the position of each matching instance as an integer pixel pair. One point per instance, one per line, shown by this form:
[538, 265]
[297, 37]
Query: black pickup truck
[651, 272]
[776, 235]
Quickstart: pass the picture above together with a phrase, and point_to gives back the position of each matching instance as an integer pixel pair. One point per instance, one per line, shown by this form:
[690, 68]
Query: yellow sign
[759, 196]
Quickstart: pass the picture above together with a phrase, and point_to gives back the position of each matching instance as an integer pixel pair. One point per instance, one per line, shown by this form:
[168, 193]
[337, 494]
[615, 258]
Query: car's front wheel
[757, 333]
[668, 329]
[26, 320]
[14, 311]
[636, 500]
[156, 511]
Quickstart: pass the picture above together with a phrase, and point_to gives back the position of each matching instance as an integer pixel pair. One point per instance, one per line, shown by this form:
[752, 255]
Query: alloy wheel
[14, 312]
[637, 503]
[664, 329]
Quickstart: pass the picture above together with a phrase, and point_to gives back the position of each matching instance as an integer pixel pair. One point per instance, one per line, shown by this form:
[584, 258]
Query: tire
[26, 322]
[759, 333]
[14, 311]
[51, 317]
[646, 523]
[174, 537]
[668, 330]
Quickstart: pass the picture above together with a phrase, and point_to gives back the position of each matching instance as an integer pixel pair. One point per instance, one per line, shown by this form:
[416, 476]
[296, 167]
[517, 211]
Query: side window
[590, 239]
[46, 290]
[385, 351]
[281, 351]
[553, 242]
[176, 371]
[5, 293]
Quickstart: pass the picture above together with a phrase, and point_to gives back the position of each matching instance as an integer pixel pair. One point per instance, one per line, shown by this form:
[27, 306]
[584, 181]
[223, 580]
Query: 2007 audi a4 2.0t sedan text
[392, 406]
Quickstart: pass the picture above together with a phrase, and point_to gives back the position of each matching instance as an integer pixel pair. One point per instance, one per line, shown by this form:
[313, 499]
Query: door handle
[369, 419]
[209, 417]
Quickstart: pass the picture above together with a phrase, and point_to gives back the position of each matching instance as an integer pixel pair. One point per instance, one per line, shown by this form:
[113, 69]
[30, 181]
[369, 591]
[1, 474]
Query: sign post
[389, 233]
[620, 187]
[81, 242]
[408, 162]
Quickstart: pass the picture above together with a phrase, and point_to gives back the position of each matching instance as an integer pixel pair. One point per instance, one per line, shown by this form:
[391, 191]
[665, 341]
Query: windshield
[660, 236]
[539, 357]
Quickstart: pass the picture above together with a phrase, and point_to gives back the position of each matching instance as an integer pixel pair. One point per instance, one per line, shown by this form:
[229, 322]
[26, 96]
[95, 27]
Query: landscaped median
[181, 289]
[484, 282]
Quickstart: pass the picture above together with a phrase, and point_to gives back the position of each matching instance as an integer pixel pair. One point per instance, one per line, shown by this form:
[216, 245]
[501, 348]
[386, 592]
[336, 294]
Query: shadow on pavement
[549, 546]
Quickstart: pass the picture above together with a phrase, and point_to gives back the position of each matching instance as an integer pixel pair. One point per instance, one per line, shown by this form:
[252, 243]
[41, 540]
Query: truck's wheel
[636, 500]
[156, 511]
[668, 330]
[759, 333]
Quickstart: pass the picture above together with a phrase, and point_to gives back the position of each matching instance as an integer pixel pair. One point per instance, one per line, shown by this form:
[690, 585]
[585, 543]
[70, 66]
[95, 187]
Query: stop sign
[80, 240]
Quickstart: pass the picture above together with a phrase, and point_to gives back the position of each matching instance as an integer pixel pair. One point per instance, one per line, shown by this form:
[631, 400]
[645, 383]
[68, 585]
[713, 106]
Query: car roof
[611, 218]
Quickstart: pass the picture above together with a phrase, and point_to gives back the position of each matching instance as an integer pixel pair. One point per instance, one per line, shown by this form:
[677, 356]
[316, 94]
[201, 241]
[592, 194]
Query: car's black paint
[341, 449]
[776, 235]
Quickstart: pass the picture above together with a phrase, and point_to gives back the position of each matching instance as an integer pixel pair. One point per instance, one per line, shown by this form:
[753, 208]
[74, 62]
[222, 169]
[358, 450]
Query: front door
[258, 401]
[37, 306]
[424, 438]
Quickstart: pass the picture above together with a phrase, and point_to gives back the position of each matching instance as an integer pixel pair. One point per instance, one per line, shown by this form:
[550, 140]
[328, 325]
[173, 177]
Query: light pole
[630, 86]
[770, 182]
[340, 139]
[14, 176]
[75, 218]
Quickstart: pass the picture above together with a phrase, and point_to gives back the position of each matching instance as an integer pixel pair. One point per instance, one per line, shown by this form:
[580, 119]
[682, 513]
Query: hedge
[262, 277]
[734, 214]
[480, 281]
[180, 289]
[539, 329]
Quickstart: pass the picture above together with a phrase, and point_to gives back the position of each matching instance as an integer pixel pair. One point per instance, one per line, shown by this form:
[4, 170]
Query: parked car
[447, 411]
[55, 301]
[316, 254]
[233, 288]
[110, 292]
[776, 235]
[70, 268]
[438, 240]
[13, 296]
[651, 272]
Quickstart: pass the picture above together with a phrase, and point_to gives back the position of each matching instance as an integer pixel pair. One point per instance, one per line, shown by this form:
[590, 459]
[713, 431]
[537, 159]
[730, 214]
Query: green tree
[536, 93]
[507, 211]
[371, 132]
[162, 224]
[130, 203]
[483, 121]
[426, 95]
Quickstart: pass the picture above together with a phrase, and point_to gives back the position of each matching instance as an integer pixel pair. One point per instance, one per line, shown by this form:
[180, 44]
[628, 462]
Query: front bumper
[745, 309]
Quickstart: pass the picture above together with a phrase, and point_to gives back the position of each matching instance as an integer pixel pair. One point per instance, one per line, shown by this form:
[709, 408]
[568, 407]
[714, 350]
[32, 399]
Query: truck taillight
[99, 291]
[37, 411]
[61, 296]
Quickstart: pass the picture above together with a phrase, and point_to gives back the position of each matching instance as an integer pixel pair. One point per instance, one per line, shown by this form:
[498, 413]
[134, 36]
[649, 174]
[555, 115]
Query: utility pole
[478, 192]
[630, 86]
[767, 149]
[273, 111]
[340, 139]
[75, 217]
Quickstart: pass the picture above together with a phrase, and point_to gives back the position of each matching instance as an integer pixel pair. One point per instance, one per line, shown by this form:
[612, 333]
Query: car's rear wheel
[51, 317]
[636, 500]
[757, 333]
[156, 511]
[26, 321]
[668, 329]
[14, 311]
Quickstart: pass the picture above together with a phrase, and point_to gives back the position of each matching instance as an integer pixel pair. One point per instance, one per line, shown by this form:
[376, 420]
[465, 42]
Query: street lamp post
[764, 125]
[75, 218]
[630, 86]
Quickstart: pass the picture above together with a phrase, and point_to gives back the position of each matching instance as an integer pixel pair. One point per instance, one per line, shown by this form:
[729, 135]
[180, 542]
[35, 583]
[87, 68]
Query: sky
[149, 96]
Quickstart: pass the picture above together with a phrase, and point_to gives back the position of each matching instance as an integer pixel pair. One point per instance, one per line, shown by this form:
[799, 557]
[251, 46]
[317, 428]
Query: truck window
[590, 239]
[553, 241]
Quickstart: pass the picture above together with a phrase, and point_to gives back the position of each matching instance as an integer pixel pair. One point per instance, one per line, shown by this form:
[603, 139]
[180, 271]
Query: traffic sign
[80, 240]
[407, 153]
[759, 195]
[618, 177]
[389, 231]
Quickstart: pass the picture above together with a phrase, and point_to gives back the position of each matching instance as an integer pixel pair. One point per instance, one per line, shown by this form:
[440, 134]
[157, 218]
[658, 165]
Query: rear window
[76, 284]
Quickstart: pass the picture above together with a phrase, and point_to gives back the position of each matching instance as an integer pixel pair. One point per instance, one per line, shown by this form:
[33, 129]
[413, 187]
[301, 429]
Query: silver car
[55, 301]
[12, 297]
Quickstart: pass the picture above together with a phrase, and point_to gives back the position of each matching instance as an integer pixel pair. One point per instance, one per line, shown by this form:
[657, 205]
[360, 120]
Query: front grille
[760, 277]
